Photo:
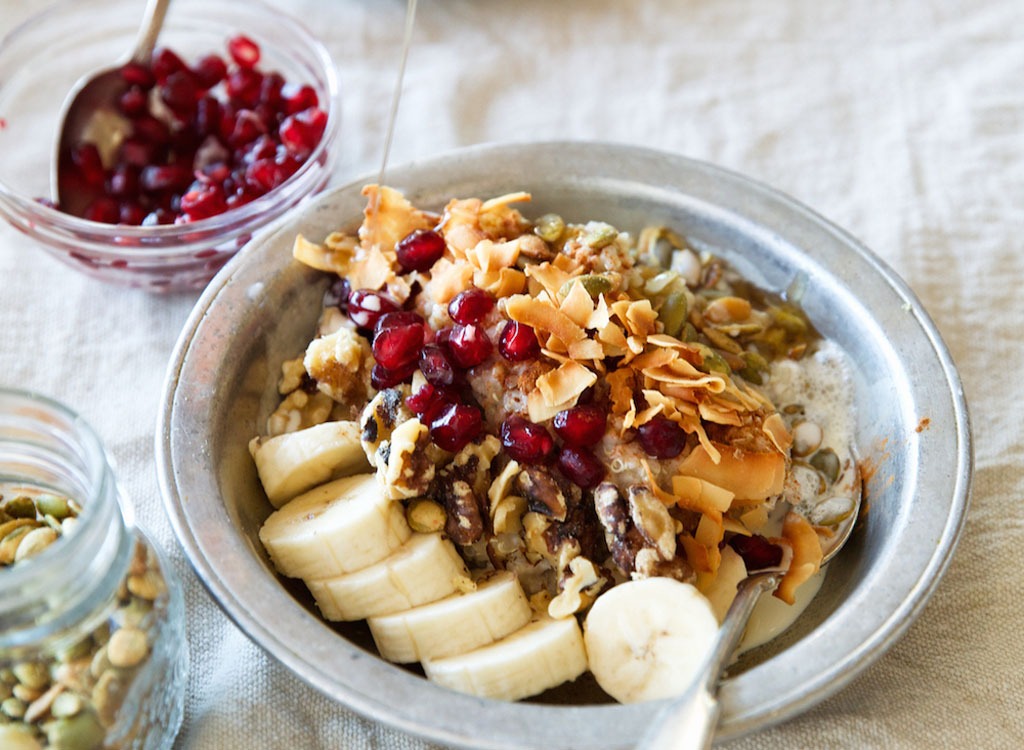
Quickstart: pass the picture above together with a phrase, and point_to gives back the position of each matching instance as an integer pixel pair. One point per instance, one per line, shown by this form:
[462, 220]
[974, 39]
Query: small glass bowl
[41, 60]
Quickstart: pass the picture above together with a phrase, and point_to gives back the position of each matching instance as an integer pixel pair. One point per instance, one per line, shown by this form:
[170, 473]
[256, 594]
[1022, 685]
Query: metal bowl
[912, 430]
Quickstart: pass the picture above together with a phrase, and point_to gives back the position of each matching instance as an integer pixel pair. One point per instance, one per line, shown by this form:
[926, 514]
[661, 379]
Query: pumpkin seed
[65, 705]
[594, 284]
[9, 545]
[673, 313]
[35, 542]
[827, 462]
[597, 235]
[128, 647]
[755, 367]
[82, 731]
[13, 708]
[53, 505]
[20, 507]
[549, 227]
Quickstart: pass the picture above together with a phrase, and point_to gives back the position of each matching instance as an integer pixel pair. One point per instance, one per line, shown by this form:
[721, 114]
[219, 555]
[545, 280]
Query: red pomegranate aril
[124, 181]
[299, 98]
[581, 467]
[204, 202]
[244, 51]
[86, 158]
[470, 306]
[365, 306]
[428, 402]
[158, 217]
[382, 377]
[301, 132]
[243, 87]
[419, 250]
[582, 425]
[137, 74]
[526, 441]
[270, 91]
[662, 438]
[469, 345]
[265, 174]
[210, 70]
[518, 342]
[131, 213]
[166, 62]
[150, 129]
[398, 319]
[247, 128]
[133, 102]
[397, 347]
[180, 94]
[757, 552]
[456, 426]
[337, 294]
[168, 177]
[104, 210]
[435, 366]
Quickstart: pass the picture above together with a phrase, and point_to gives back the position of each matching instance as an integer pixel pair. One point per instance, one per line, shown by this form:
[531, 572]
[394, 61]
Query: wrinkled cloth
[902, 122]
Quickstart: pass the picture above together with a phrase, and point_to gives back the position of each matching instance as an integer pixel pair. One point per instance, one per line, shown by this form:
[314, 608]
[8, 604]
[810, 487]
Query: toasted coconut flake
[565, 383]
[641, 318]
[700, 495]
[550, 277]
[493, 256]
[371, 269]
[807, 555]
[324, 257]
[540, 316]
[388, 217]
[578, 305]
[448, 278]
[696, 555]
[653, 359]
[775, 428]
[710, 532]
[613, 339]
[600, 317]
[732, 526]
[586, 349]
[621, 383]
[540, 410]
[520, 196]
[648, 414]
[749, 475]
[756, 518]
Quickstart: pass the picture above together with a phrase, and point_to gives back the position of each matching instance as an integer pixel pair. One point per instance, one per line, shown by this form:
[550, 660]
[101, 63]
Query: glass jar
[92, 626]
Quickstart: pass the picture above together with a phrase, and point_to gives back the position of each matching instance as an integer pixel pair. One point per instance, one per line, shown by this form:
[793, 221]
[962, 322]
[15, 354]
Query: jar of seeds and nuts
[92, 626]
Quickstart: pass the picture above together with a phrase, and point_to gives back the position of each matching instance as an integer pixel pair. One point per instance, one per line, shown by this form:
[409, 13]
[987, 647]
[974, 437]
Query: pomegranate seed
[429, 401]
[208, 116]
[169, 177]
[756, 551]
[104, 210]
[301, 132]
[130, 213]
[337, 294]
[263, 147]
[470, 306]
[165, 62]
[662, 438]
[150, 129]
[179, 93]
[137, 74]
[419, 250]
[518, 342]
[209, 71]
[201, 203]
[469, 345]
[525, 441]
[124, 181]
[398, 319]
[158, 217]
[248, 127]
[397, 347]
[243, 87]
[265, 174]
[298, 99]
[244, 51]
[270, 91]
[137, 152]
[581, 426]
[86, 157]
[133, 102]
[365, 306]
[435, 366]
[581, 467]
[456, 426]
[381, 377]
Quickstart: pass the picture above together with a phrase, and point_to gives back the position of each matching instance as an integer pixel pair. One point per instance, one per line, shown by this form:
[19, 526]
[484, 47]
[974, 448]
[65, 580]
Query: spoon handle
[688, 722]
[152, 22]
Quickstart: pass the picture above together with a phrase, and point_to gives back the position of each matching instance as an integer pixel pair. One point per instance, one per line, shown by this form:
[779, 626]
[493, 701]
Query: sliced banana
[336, 528]
[453, 625]
[424, 569]
[294, 462]
[646, 638]
[542, 655]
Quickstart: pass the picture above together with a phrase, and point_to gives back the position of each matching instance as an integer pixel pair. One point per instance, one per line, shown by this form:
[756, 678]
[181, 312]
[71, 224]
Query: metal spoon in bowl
[689, 721]
[90, 114]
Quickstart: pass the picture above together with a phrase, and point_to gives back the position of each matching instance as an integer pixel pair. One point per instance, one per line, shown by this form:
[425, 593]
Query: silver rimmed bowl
[912, 431]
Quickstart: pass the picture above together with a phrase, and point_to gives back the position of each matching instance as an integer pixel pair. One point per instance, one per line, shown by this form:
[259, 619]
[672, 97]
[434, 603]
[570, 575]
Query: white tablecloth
[901, 121]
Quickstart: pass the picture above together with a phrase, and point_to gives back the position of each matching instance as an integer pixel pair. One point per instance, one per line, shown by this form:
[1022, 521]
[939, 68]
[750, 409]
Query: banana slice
[453, 625]
[294, 462]
[337, 528]
[646, 638]
[542, 655]
[424, 569]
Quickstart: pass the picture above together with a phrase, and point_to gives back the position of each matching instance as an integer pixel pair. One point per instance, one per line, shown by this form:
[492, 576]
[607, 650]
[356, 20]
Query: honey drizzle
[410, 21]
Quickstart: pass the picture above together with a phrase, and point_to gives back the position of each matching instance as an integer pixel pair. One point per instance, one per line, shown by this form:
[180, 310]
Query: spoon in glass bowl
[90, 114]
[689, 721]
